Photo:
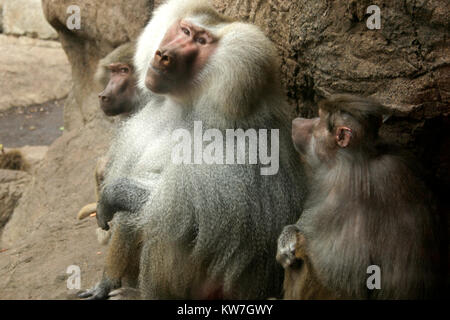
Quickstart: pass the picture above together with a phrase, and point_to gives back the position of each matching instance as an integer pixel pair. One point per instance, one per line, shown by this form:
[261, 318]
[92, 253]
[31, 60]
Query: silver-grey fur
[209, 229]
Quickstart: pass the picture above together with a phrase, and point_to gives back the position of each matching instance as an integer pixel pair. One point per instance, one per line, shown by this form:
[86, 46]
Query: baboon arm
[87, 210]
[124, 195]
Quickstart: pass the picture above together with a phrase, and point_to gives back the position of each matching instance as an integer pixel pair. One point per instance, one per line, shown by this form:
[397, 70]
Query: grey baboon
[207, 230]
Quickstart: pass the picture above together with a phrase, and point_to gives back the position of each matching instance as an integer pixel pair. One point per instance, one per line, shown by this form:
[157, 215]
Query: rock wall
[25, 17]
[30, 76]
[12, 183]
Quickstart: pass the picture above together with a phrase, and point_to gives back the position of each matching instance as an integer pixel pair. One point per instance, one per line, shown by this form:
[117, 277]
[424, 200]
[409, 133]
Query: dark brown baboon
[366, 207]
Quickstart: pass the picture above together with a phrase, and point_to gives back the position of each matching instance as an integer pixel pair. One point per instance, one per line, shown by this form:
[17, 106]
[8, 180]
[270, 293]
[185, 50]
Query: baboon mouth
[159, 72]
[156, 70]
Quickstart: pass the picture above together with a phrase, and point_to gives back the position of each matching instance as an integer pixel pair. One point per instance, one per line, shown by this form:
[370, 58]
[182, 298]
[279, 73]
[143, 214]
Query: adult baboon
[208, 230]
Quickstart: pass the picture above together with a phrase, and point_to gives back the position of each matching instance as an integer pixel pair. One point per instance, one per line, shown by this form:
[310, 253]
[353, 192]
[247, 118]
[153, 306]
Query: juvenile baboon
[208, 231]
[366, 207]
[117, 75]
[120, 97]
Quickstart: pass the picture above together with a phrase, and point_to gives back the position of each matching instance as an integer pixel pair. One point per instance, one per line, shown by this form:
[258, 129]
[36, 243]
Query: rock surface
[324, 46]
[25, 18]
[37, 71]
[43, 237]
[12, 184]
[34, 155]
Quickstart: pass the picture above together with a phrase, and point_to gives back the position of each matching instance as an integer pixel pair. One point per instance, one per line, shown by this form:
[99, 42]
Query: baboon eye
[202, 41]
[186, 31]
[124, 70]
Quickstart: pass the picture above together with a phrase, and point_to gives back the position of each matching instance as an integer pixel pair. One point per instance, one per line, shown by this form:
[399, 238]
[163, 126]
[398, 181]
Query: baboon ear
[343, 136]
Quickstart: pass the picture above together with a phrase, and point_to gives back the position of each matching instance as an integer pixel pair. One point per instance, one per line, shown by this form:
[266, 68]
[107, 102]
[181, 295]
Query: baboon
[367, 206]
[208, 230]
[12, 160]
[120, 97]
[117, 75]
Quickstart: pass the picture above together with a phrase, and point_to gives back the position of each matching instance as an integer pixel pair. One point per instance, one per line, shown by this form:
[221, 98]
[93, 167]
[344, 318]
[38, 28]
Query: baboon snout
[164, 59]
[103, 98]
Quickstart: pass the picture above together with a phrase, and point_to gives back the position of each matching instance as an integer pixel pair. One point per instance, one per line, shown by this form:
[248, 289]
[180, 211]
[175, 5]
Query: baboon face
[183, 52]
[119, 94]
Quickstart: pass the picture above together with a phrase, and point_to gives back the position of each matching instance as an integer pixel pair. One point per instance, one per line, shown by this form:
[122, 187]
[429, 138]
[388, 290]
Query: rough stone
[34, 155]
[25, 17]
[12, 184]
[63, 182]
[37, 71]
[44, 224]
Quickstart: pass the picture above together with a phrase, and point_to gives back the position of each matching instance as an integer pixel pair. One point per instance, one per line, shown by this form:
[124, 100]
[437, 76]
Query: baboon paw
[98, 292]
[287, 243]
[125, 294]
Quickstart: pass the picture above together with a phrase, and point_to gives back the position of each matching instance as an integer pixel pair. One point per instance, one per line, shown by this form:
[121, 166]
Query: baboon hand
[100, 291]
[97, 292]
[122, 195]
[288, 245]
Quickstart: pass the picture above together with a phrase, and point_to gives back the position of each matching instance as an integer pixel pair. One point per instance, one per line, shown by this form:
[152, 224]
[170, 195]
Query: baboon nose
[164, 59]
[103, 98]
